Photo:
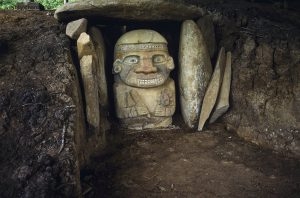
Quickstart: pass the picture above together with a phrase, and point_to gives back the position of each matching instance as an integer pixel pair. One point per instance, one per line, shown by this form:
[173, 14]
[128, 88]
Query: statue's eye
[158, 58]
[131, 59]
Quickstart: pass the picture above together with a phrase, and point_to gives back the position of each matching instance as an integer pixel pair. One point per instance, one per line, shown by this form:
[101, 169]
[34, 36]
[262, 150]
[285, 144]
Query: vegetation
[48, 4]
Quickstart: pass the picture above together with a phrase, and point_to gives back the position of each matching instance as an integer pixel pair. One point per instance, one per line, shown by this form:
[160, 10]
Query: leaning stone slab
[194, 71]
[207, 28]
[141, 10]
[75, 28]
[222, 104]
[85, 45]
[211, 94]
[100, 54]
[87, 71]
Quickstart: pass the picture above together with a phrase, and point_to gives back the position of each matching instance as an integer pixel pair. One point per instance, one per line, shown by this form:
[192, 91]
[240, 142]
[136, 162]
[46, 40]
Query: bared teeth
[147, 82]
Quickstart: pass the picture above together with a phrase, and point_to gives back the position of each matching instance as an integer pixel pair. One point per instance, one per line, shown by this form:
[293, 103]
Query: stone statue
[144, 92]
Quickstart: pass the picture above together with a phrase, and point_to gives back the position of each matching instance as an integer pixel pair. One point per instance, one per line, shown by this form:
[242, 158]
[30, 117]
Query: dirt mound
[37, 157]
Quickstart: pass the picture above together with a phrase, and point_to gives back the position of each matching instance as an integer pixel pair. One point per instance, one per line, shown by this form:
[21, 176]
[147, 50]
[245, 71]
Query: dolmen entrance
[141, 65]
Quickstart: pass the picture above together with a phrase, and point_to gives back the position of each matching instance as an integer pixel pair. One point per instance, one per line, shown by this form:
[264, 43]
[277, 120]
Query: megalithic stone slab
[87, 71]
[194, 71]
[140, 10]
[207, 28]
[222, 104]
[212, 92]
[100, 55]
[75, 28]
[85, 45]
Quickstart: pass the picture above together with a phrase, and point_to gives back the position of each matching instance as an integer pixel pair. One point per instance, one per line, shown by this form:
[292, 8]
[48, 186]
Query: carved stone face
[140, 62]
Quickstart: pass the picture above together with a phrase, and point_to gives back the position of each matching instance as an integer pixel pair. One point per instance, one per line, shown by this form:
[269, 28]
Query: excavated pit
[45, 145]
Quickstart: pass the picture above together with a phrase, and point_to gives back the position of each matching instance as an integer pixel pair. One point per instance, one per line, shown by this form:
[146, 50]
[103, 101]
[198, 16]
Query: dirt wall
[41, 120]
[265, 43]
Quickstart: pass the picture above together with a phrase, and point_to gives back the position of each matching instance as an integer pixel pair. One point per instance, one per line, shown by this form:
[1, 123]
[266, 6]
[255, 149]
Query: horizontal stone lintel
[135, 10]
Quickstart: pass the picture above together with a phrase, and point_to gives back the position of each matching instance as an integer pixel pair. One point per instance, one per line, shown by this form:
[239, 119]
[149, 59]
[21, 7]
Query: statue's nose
[146, 67]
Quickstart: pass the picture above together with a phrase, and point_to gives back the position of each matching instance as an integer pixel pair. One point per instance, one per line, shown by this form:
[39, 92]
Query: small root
[63, 138]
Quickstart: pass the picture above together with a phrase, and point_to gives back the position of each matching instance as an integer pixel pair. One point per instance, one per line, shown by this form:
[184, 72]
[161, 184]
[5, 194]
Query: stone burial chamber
[106, 77]
[142, 62]
[144, 94]
[223, 70]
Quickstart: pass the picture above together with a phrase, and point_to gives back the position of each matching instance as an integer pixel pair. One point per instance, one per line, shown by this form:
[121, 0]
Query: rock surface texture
[213, 88]
[140, 10]
[91, 54]
[85, 45]
[89, 80]
[194, 71]
[222, 103]
[207, 28]
[75, 28]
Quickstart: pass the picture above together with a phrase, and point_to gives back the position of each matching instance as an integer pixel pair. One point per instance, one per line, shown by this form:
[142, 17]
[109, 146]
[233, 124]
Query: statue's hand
[129, 112]
[165, 106]
[165, 99]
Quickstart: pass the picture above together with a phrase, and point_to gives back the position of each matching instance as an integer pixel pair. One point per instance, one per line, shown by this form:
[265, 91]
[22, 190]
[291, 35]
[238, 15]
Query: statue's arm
[129, 104]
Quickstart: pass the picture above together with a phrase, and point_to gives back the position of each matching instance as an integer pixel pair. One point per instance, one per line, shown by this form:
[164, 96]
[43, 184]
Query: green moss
[48, 4]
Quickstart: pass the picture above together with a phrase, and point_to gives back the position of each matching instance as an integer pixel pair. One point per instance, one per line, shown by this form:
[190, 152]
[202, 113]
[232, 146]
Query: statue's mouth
[146, 80]
[150, 82]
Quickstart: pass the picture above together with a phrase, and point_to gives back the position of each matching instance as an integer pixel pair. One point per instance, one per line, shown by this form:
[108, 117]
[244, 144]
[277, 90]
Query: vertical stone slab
[100, 54]
[87, 71]
[211, 94]
[207, 28]
[222, 104]
[85, 45]
[194, 71]
[96, 117]
[91, 54]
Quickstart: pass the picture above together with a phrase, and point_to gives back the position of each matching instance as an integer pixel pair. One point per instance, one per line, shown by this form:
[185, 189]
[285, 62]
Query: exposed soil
[186, 163]
[37, 83]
